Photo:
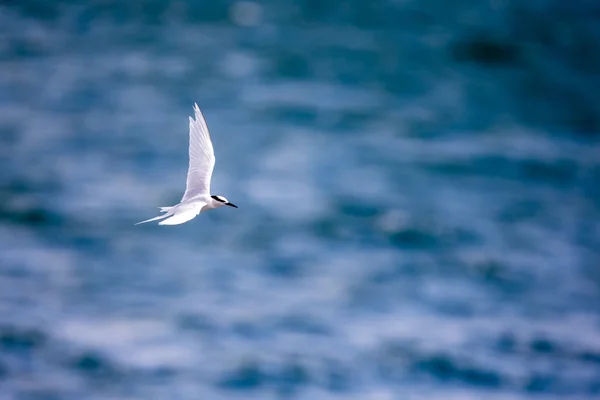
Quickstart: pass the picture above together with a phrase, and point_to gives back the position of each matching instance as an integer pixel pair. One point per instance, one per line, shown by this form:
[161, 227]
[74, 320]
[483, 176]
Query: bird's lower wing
[179, 214]
[180, 218]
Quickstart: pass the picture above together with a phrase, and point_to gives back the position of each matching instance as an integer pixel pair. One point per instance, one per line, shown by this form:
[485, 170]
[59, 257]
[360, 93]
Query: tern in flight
[197, 197]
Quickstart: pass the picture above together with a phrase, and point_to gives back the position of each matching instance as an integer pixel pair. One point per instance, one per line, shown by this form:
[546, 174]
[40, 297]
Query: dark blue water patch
[543, 346]
[541, 101]
[42, 394]
[522, 211]
[201, 324]
[390, 360]
[591, 179]
[462, 308]
[35, 194]
[88, 242]
[38, 9]
[400, 361]
[330, 229]
[263, 238]
[289, 376]
[291, 64]
[247, 375]
[385, 287]
[349, 67]
[461, 236]
[285, 267]
[152, 13]
[94, 366]
[377, 16]
[500, 275]
[22, 48]
[33, 217]
[78, 101]
[295, 115]
[386, 275]
[344, 122]
[542, 383]
[485, 49]
[556, 172]
[360, 210]
[292, 377]
[313, 11]
[9, 134]
[4, 371]
[159, 375]
[250, 330]
[424, 233]
[446, 368]
[593, 388]
[561, 355]
[21, 184]
[415, 238]
[554, 90]
[300, 323]
[507, 343]
[539, 28]
[16, 339]
[351, 222]
[590, 356]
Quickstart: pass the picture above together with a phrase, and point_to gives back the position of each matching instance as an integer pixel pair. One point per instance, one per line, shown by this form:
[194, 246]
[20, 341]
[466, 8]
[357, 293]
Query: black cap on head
[223, 200]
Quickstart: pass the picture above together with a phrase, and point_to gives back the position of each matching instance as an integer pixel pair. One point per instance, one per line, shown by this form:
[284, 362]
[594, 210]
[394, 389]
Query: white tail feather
[153, 219]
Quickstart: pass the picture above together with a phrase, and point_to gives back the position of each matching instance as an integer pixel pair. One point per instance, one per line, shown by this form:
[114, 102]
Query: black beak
[231, 205]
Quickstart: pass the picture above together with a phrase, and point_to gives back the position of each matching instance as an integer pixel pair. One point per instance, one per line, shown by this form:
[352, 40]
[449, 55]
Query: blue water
[418, 186]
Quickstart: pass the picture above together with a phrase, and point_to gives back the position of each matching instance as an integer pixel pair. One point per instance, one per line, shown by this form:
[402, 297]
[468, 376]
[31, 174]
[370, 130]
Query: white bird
[197, 197]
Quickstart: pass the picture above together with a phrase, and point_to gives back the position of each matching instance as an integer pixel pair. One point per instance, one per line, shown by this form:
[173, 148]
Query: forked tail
[153, 219]
[162, 209]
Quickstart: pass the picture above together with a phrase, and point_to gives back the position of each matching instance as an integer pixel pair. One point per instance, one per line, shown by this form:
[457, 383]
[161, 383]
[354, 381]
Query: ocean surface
[418, 184]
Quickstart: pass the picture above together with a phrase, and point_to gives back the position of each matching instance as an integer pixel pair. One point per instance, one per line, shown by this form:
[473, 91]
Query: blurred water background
[418, 183]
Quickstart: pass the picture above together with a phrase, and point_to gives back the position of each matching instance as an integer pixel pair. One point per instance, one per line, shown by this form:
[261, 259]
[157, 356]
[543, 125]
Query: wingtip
[196, 112]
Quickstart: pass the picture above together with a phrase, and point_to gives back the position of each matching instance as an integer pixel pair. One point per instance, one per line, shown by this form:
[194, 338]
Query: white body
[197, 196]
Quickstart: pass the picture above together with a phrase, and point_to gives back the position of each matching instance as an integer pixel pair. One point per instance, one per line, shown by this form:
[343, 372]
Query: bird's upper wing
[202, 157]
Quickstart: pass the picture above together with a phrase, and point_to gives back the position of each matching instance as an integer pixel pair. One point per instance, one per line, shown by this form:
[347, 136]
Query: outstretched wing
[202, 157]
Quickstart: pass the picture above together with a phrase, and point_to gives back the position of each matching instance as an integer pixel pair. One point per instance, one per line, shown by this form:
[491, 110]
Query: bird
[197, 197]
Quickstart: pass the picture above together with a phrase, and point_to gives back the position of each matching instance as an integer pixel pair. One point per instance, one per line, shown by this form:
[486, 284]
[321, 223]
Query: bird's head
[221, 201]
